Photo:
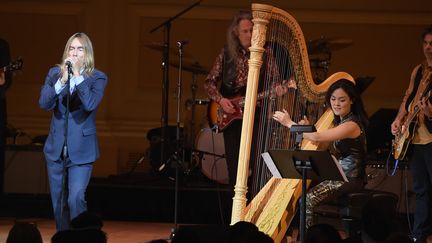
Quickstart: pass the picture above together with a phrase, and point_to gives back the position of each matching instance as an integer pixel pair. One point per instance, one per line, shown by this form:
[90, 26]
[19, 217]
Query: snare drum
[211, 148]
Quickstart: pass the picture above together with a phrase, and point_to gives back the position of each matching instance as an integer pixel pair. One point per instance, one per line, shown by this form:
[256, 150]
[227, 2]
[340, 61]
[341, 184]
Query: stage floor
[117, 231]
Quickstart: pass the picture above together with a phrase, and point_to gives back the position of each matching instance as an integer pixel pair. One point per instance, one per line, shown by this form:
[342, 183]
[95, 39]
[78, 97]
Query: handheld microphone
[69, 66]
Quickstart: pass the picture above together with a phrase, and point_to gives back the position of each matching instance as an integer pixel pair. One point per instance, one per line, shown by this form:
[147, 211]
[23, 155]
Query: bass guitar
[404, 137]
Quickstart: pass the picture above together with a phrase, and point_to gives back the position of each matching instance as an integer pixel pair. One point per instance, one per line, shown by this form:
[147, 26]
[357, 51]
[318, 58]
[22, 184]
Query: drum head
[211, 147]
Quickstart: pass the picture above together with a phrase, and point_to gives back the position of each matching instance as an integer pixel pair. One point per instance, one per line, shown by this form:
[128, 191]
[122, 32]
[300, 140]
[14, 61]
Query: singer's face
[76, 51]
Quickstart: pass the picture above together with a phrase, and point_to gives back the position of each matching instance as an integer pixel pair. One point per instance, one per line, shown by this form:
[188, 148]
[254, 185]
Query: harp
[274, 200]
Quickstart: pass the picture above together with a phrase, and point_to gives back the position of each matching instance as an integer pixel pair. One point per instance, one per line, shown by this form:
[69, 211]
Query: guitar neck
[13, 66]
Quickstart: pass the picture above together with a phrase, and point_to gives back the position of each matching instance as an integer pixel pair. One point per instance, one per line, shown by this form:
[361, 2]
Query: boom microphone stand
[165, 69]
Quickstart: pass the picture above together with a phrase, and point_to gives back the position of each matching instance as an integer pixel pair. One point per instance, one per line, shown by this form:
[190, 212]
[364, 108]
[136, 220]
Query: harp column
[261, 17]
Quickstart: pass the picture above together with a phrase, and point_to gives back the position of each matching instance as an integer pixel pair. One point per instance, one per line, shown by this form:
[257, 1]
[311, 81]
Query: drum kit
[206, 148]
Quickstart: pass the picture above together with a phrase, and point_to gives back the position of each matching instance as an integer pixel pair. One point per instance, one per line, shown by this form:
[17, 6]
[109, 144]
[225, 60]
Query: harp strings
[269, 134]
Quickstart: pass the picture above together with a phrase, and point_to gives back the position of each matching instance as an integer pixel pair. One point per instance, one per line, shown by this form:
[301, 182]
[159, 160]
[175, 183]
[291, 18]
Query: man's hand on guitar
[395, 127]
[226, 105]
[281, 89]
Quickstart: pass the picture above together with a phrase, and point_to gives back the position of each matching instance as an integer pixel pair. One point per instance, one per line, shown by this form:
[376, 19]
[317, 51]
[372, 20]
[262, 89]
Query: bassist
[420, 159]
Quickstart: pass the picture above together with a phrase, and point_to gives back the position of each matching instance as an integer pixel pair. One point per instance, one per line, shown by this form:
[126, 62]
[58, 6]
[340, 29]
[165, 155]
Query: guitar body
[13, 66]
[403, 140]
[219, 119]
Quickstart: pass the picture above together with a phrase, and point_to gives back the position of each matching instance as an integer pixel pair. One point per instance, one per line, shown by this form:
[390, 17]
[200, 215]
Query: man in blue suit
[72, 146]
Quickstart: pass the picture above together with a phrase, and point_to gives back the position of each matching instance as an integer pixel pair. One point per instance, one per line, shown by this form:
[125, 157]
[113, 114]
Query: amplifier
[380, 178]
[25, 170]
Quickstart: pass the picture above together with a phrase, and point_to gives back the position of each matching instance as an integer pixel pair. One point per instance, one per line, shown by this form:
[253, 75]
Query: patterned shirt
[215, 76]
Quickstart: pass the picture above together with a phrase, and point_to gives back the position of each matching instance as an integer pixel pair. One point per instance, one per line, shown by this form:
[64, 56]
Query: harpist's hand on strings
[283, 117]
[304, 121]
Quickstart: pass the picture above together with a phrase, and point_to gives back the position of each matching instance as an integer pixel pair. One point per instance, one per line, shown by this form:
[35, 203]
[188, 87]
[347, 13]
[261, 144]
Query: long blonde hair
[88, 52]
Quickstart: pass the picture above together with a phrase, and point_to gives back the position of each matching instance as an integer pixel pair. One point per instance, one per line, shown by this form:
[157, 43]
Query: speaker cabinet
[25, 170]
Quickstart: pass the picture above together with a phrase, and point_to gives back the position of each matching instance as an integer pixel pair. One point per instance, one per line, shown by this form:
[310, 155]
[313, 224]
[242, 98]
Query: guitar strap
[228, 75]
[417, 79]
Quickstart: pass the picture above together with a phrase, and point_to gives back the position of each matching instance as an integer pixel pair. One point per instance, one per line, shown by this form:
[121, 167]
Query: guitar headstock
[15, 65]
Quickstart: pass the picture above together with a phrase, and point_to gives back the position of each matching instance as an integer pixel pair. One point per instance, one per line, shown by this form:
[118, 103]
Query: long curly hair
[233, 43]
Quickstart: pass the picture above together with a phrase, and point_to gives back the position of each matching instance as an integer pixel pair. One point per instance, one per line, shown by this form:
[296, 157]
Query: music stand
[303, 164]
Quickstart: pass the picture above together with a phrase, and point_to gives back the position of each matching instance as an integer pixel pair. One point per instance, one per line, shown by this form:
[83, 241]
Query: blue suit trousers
[72, 194]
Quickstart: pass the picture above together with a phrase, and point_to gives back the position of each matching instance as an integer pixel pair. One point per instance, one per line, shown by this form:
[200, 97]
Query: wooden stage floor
[117, 231]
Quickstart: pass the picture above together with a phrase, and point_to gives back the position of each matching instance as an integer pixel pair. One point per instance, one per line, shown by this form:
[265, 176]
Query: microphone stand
[165, 70]
[179, 146]
[65, 153]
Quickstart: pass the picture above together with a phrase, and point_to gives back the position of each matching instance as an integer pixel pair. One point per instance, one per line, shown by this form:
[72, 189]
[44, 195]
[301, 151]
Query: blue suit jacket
[81, 135]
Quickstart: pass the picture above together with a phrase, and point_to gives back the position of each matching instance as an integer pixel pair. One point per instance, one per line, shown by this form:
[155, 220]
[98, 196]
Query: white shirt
[73, 82]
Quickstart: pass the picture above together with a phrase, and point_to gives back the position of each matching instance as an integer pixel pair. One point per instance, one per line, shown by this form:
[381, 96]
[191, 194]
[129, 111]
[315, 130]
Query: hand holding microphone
[69, 66]
[67, 70]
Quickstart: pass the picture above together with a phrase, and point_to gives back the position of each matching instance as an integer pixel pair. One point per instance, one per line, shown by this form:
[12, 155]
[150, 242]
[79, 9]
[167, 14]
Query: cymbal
[160, 47]
[324, 44]
[194, 67]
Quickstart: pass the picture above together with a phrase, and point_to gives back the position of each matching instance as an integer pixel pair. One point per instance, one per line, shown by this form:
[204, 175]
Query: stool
[349, 207]
[351, 213]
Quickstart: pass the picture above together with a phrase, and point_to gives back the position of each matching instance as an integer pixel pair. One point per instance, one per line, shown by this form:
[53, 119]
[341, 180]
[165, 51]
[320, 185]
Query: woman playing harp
[348, 143]
[274, 200]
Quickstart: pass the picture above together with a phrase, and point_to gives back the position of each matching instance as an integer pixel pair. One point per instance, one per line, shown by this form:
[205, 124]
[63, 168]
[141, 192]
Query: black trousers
[232, 138]
[421, 169]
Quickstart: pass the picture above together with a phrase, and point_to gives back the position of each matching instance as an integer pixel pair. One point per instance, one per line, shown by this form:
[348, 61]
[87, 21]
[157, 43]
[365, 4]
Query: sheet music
[271, 165]
[277, 174]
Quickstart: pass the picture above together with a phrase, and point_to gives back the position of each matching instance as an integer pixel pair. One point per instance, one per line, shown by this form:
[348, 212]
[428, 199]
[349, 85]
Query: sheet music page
[339, 168]
[271, 165]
